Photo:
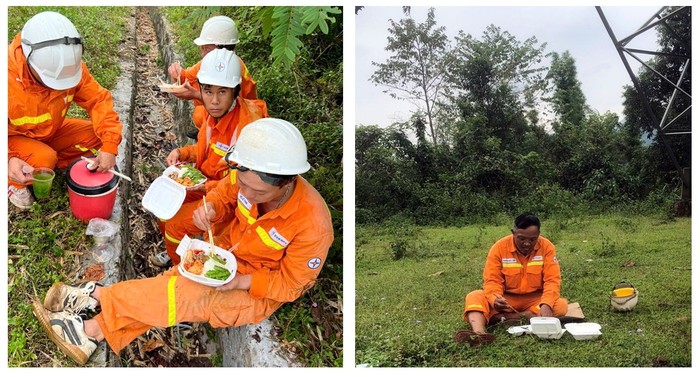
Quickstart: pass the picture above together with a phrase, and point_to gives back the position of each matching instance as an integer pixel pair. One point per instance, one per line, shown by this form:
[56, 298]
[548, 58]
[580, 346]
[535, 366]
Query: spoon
[91, 163]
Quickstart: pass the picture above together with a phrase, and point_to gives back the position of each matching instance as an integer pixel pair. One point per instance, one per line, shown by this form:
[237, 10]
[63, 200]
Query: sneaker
[20, 197]
[67, 331]
[71, 298]
[160, 259]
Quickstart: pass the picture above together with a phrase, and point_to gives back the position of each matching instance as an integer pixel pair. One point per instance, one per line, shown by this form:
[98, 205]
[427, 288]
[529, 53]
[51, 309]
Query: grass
[45, 243]
[44, 246]
[411, 283]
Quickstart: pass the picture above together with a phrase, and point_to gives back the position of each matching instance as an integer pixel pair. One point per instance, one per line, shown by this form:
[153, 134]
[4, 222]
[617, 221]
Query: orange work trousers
[73, 139]
[180, 225]
[476, 301]
[132, 307]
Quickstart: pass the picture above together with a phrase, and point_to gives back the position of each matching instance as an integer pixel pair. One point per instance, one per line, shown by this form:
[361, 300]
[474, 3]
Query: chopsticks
[110, 170]
[509, 305]
[211, 236]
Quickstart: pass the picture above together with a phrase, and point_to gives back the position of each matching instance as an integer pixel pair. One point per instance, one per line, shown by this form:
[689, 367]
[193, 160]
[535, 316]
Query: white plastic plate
[188, 243]
[164, 198]
[170, 88]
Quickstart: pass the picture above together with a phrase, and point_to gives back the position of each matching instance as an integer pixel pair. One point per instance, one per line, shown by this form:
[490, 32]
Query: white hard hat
[53, 47]
[220, 67]
[270, 145]
[624, 297]
[218, 30]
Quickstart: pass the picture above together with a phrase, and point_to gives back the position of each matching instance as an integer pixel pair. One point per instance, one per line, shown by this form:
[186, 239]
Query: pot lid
[82, 176]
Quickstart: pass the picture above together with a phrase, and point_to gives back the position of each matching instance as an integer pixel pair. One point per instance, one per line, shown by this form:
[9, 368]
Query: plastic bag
[101, 229]
[103, 252]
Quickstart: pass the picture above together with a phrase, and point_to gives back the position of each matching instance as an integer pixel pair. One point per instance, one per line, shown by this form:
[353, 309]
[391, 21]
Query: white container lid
[164, 198]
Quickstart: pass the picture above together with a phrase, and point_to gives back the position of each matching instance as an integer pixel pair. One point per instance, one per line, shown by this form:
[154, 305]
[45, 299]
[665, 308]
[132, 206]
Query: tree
[416, 70]
[385, 175]
[496, 77]
[568, 99]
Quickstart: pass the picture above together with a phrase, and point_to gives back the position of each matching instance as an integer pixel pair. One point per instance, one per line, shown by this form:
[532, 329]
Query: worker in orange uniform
[46, 75]
[521, 279]
[281, 234]
[219, 80]
[217, 32]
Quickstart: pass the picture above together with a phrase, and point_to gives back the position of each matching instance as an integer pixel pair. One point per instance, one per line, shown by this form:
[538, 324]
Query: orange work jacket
[219, 134]
[285, 248]
[508, 271]
[36, 111]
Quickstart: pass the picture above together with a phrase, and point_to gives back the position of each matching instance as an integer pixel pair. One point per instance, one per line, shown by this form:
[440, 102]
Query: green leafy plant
[289, 23]
[285, 25]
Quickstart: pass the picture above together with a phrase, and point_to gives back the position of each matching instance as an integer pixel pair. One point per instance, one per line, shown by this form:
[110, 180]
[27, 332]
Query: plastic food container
[583, 331]
[164, 198]
[171, 88]
[172, 169]
[90, 194]
[546, 327]
[188, 243]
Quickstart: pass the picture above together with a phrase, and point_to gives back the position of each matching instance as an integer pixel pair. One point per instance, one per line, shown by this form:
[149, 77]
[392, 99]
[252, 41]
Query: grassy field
[411, 283]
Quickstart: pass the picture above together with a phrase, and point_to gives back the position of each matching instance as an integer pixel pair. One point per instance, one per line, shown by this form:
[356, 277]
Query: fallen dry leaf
[152, 344]
[94, 272]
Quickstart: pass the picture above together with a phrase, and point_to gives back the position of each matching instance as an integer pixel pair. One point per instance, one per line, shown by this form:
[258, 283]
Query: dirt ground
[152, 140]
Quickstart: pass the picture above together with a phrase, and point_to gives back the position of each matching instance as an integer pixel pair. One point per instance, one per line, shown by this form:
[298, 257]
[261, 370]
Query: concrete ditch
[246, 346]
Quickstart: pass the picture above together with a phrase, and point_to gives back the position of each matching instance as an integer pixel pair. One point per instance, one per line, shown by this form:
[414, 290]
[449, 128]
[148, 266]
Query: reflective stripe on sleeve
[171, 238]
[32, 120]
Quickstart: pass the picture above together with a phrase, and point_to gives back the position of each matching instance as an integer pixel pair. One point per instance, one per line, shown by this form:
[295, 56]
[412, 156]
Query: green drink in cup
[43, 178]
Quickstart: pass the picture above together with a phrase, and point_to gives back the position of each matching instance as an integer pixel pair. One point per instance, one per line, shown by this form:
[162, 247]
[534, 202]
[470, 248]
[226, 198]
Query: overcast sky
[577, 29]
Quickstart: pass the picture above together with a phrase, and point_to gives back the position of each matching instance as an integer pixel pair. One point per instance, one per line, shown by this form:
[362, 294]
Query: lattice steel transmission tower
[674, 122]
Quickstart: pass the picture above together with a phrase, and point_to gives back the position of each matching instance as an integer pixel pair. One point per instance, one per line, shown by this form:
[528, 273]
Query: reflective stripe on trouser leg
[172, 307]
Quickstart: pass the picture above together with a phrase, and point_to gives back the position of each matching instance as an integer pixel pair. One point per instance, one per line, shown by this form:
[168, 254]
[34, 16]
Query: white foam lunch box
[583, 331]
[546, 327]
